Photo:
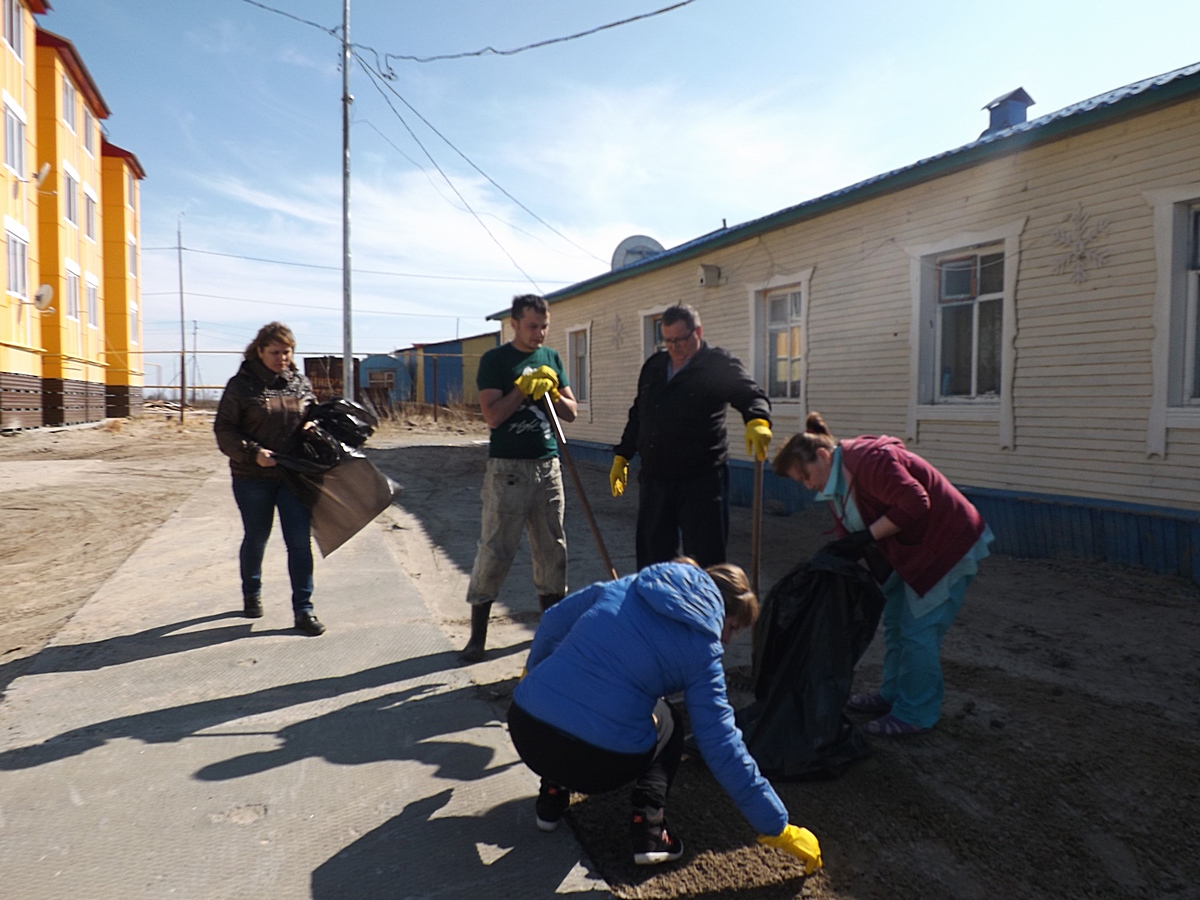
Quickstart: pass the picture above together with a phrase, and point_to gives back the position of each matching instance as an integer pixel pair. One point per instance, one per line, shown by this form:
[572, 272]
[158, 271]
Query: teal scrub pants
[912, 666]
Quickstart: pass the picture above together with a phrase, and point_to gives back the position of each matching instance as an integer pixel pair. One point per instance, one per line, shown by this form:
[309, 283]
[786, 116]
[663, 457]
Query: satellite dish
[43, 297]
[40, 177]
[633, 250]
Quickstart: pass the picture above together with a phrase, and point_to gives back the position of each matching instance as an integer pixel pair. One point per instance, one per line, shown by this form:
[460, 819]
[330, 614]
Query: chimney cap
[1017, 96]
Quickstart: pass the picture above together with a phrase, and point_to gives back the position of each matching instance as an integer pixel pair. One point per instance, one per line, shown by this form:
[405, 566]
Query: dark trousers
[566, 761]
[257, 500]
[695, 509]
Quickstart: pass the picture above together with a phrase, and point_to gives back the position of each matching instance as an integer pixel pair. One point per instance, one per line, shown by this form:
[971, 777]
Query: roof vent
[1008, 111]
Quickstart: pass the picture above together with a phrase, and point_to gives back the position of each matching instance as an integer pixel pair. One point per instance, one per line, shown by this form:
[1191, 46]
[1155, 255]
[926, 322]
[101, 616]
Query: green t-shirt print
[526, 434]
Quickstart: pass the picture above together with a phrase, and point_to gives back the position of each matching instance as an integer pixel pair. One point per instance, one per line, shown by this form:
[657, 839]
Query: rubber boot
[545, 601]
[473, 652]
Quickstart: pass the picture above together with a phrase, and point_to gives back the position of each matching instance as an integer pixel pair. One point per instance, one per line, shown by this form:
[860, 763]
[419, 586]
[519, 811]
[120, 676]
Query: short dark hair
[682, 312]
[522, 302]
[271, 333]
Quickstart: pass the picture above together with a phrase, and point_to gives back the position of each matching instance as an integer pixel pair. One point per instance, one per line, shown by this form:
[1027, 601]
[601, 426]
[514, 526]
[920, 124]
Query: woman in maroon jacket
[884, 496]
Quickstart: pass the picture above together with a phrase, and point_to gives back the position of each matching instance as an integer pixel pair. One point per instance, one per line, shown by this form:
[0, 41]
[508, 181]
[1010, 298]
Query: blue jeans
[257, 499]
[912, 665]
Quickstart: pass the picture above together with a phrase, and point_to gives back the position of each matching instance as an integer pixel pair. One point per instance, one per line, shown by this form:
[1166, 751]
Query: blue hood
[683, 593]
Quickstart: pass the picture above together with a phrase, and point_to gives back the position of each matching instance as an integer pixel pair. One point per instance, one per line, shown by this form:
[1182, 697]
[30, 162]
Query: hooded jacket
[260, 409]
[938, 525]
[603, 656]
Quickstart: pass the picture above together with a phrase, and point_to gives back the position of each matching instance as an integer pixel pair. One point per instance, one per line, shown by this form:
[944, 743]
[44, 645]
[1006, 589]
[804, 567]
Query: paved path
[162, 745]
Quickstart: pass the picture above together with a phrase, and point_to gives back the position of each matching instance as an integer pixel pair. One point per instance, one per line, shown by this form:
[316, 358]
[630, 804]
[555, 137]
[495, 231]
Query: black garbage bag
[343, 499]
[341, 488]
[813, 628]
[347, 421]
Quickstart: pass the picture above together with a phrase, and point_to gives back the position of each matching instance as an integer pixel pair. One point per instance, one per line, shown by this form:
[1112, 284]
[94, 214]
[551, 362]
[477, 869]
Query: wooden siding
[1082, 379]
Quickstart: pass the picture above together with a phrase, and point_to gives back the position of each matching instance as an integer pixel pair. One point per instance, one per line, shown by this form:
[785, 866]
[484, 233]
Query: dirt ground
[1065, 764]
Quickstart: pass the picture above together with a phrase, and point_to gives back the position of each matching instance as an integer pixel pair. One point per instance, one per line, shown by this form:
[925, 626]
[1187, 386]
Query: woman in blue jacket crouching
[590, 714]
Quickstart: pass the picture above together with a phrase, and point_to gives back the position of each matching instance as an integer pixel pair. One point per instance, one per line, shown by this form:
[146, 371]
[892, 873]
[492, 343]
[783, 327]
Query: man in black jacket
[677, 424]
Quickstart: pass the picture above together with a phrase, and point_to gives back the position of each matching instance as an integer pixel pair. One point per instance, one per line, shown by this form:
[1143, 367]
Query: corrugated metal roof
[1124, 101]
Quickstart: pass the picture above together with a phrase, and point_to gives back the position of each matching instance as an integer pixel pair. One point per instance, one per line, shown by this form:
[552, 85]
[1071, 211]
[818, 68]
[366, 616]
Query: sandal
[868, 703]
[890, 726]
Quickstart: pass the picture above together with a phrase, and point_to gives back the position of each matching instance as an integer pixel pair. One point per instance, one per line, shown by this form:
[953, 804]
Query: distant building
[385, 381]
[70, 315]
[446, 370]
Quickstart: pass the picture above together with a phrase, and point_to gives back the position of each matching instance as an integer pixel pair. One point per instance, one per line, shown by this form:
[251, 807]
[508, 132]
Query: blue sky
[717, 110]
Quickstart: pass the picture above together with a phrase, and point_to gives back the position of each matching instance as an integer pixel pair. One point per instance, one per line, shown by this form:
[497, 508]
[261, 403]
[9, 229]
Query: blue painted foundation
[1034, 526]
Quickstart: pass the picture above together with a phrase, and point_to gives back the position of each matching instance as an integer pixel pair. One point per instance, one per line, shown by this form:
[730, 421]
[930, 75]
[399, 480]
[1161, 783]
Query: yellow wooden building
[1021, 309]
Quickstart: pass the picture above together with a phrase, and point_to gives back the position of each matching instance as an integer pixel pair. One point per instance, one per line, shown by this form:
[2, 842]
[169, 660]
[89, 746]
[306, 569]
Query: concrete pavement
[161, 745]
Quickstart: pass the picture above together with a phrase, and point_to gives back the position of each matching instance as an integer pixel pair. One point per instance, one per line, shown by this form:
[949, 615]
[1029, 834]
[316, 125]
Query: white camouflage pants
[520, 494]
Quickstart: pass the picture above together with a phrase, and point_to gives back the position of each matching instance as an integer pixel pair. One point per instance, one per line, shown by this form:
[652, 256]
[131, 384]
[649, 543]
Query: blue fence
[1034, 526]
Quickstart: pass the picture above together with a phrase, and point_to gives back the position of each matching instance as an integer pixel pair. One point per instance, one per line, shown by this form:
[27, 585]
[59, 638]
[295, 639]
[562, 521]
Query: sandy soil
[1064, 766]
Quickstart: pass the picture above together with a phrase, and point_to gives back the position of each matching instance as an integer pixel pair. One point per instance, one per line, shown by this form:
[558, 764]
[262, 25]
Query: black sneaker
[308, 623]
[252, 607]
[653, 843]
[552, 802]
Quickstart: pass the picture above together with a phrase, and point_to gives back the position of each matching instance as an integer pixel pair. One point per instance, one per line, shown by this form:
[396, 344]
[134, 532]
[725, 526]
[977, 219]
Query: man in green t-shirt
[522, 488]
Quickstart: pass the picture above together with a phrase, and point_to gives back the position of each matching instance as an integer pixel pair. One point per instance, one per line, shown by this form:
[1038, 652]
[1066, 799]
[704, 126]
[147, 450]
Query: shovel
[548, 408]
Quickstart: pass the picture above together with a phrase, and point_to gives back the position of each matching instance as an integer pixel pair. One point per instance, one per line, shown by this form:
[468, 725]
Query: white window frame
[923, 401]
[130, 189]
[133, 322]
[70, 97]
[17, 245]
[89, 133]
[71, 280]
[90, 206]
[972, 302]
[131, 247]
[70, 192]
[15, 137]
[14, 28]
[91, 293]
[573, 367]
[759, 293]
[1176, 295]
[646, 320]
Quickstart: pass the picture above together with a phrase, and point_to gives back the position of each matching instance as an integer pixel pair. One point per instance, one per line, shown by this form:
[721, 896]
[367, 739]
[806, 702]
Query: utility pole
[348, 385]
[195, 362]
[182, 320]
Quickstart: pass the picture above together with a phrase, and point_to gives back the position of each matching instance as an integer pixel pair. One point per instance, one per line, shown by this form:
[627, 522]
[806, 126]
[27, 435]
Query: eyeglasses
[679, 341]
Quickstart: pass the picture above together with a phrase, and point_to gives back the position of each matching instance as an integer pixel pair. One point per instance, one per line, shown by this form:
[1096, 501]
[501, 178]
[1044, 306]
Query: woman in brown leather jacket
[259, 415]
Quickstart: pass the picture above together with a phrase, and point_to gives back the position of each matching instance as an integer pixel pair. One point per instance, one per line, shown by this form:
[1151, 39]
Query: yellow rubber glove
[758, 438]
[619, 475]
[548, 372]
[537, 385]
[800, 842]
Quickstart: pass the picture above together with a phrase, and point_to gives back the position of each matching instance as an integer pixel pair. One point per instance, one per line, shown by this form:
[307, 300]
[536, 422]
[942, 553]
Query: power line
[330, 31]
[286, 262]
[450, 144]
[434, 184]
[291, 305]
[492, 51]
[375, 78]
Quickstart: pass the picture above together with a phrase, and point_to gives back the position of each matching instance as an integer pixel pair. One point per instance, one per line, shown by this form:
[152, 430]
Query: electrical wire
[332, 31]
[285, 262]
[386, 81]
[434, 184]
[492, 51]
[375, 78]
[290, 304]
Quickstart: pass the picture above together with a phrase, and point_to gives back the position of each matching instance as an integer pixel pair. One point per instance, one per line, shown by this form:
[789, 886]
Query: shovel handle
[556, 425]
